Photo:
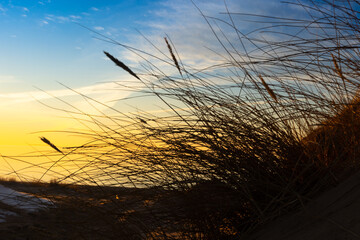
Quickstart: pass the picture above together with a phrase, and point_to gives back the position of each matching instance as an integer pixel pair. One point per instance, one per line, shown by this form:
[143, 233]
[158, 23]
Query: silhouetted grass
[241, 143]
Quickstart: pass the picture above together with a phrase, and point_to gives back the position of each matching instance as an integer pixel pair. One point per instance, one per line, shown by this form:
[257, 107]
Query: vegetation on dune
[242, 142]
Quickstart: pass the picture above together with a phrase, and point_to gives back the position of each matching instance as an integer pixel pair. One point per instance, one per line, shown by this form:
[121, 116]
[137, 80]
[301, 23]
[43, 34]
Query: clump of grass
[233, 150]
[54, 182]
[8, 179]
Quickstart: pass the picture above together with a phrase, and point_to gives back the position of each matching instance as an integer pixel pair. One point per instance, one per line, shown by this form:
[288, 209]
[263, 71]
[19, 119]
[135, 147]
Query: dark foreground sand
[79, 212]
[85, 212]
[335, 214]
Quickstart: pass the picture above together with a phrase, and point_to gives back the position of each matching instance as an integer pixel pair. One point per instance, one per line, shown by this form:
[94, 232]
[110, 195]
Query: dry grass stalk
[339, 71]
[268, 89]
[121, 64]
[227, 146]
[173, 55]
[337, 68]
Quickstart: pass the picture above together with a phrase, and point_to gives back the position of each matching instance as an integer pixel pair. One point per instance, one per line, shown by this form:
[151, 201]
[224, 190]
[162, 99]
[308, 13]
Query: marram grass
[229, 150]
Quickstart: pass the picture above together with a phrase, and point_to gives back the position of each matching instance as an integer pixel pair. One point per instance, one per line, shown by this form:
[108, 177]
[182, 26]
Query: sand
[335, 214]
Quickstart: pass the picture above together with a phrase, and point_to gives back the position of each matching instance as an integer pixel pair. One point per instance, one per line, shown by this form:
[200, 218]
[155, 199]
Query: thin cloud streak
[191, 34]
[62, 19]
[103, 92]
[8, 78]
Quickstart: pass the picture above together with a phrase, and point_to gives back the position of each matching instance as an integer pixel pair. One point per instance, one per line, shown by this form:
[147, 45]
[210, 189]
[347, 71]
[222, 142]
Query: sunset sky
[47, 42]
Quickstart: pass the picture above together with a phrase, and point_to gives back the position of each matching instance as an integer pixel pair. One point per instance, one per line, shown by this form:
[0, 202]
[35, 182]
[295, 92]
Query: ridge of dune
[334, 215]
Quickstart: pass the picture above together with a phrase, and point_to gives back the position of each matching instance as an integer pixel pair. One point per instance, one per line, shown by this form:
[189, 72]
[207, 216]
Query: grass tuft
[218, 146]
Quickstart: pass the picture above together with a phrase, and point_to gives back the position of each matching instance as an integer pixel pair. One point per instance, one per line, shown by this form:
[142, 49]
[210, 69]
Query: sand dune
[334, 215]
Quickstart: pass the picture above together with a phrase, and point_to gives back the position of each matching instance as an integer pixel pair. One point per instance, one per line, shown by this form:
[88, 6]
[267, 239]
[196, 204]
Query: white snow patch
[22, 200]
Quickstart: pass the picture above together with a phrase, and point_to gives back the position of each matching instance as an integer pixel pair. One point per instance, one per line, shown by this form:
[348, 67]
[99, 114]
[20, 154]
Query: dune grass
[242, 142]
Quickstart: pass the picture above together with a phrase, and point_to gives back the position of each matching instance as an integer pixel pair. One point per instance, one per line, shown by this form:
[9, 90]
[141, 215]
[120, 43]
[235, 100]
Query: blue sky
[42, 44]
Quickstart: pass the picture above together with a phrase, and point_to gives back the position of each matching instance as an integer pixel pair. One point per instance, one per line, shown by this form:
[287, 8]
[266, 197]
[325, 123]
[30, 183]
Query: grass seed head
[121, 64]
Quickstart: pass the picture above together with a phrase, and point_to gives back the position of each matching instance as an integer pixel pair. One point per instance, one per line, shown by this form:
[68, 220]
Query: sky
[48, 45]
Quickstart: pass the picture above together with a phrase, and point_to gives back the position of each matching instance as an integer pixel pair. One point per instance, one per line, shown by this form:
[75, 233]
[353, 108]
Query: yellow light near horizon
[22, 124]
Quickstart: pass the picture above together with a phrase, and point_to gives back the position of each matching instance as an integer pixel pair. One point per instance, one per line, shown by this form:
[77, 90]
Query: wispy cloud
[61, 19]
[94, 9]
[2, 9]
[8, 78]
[99, 28]
[44, 2]
[105, 93]
[75, 17]
[186, 28]
[191, 34]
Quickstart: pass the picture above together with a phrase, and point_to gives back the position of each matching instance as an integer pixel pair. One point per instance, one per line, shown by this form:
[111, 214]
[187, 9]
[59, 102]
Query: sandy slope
[11, 201]
[333, 215]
